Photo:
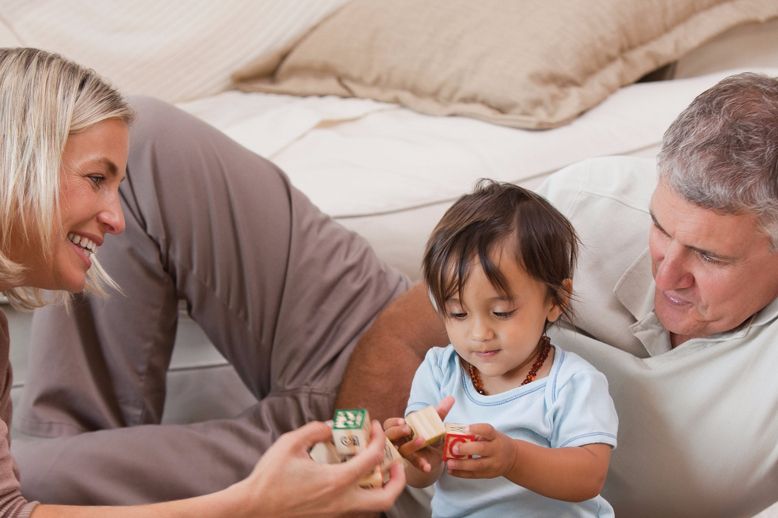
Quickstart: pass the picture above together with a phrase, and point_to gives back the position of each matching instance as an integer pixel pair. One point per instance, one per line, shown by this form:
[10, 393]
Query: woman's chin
[74, 285]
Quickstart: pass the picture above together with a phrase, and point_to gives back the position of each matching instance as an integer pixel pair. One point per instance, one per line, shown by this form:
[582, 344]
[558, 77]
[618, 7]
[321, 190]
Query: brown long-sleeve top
[12, 503]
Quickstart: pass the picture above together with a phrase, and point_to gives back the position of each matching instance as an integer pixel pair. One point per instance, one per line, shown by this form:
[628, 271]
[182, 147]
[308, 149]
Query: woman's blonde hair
[44, 98]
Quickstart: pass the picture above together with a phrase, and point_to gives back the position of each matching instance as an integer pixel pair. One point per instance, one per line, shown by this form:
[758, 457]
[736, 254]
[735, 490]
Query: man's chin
[674, 321]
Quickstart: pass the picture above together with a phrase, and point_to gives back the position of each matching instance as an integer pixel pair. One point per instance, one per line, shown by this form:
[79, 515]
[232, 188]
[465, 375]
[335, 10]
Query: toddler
[499, 268]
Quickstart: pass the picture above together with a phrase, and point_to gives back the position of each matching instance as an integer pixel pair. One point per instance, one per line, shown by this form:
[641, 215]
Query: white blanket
[356, 157]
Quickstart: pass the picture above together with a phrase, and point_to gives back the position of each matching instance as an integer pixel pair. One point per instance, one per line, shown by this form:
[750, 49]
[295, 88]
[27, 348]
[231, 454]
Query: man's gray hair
[721, 153]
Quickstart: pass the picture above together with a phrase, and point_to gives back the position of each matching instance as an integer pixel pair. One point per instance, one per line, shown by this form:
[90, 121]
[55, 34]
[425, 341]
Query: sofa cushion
[7, 36]
[172, 50]
[527, 64]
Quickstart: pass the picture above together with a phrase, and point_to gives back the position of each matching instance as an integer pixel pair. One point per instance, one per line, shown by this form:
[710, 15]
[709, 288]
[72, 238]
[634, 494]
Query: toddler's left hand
[494, 451]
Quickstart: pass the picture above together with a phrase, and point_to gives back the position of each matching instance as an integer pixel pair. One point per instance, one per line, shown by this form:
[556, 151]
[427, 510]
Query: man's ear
[564, 296]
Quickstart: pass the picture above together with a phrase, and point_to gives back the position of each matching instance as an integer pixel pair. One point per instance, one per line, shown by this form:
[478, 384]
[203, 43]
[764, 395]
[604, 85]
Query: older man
[687, 329]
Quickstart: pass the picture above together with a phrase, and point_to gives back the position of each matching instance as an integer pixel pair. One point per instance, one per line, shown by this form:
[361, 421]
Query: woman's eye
[96, 179]
[458, 315]
[504, 314]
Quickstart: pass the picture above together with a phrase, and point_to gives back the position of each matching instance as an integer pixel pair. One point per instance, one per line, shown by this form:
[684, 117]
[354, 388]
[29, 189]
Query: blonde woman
[64, 151]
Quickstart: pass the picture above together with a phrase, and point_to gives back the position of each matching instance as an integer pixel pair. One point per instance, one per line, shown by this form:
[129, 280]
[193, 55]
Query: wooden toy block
[380, 474]
[390, 455]
[375, 478]
[426, 423]
[455, 434]
[456, 428]
[350, 430]
[325, 453]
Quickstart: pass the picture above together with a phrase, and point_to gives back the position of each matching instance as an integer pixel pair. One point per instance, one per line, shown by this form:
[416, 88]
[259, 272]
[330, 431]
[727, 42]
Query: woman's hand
[287, 482]
[495, 454]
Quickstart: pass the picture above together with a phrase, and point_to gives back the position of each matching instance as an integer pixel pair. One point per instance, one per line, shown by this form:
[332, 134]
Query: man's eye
[659, 231]
[710, 259]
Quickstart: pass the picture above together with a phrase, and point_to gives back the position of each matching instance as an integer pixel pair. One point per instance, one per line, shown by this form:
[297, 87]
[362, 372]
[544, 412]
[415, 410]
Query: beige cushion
[176, 51]
[7, 37]
[526, 64]
[752, 45]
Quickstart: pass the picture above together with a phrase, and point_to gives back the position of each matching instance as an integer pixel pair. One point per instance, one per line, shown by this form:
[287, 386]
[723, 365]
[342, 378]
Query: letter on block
[350, 430]
[390, 455]
[456, 433]
[426, 423]
[325, 453]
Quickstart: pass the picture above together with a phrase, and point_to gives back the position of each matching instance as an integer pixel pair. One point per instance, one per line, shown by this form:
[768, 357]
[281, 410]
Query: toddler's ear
[568, 290]
[432, 300]
[564, 296]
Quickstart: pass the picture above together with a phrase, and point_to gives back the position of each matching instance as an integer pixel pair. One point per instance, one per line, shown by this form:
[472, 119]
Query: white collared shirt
[698, 431]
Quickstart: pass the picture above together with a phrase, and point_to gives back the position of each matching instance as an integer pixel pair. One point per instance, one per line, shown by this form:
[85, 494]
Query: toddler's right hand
[414, 450]
[397, 431]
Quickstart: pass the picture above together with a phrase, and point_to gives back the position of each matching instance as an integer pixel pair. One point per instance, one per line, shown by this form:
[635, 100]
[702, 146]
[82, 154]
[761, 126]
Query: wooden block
[325, 453]
[380, 474]
[455, 434]
[350, 430]
[373, 479]
[426, 423]
[390, 455]
[456, 428]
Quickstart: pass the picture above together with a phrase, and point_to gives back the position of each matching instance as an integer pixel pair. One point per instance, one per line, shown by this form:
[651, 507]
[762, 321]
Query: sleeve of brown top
[12, 503]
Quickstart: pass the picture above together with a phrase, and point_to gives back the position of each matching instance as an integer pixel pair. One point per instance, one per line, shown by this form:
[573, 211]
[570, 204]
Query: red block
[453, 438]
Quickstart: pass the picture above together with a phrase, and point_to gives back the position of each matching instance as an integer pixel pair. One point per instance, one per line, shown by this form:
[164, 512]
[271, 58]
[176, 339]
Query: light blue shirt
[569, 407]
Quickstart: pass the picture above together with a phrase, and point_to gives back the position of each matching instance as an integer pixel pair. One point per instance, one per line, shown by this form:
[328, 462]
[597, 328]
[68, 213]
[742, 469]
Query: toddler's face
[496, 333]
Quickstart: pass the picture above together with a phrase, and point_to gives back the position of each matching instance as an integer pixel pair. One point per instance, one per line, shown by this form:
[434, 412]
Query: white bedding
[389, 173]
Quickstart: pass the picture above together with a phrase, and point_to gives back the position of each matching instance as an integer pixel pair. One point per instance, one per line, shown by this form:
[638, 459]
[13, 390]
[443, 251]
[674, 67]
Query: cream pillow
[7, 37]
[526, 64]
[753, 45]
[176, 51]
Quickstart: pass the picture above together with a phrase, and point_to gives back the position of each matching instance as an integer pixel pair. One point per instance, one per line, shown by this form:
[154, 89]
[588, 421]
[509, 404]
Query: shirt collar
[635, 290]
[767, 315]
[635, 287]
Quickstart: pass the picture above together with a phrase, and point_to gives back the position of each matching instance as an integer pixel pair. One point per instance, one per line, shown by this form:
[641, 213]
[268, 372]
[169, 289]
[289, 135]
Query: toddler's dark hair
[546, 242]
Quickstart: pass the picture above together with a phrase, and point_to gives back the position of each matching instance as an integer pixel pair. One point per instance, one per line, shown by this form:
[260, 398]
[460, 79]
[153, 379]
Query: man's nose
[672, 271]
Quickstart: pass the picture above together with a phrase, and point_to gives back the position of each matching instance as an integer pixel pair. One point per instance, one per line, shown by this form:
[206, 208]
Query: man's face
[712, 271]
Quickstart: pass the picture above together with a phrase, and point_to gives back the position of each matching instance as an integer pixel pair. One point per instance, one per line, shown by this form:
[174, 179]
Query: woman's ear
[563, 296]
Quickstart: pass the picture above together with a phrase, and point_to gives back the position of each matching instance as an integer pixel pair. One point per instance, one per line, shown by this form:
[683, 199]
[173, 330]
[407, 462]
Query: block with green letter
[350, 430]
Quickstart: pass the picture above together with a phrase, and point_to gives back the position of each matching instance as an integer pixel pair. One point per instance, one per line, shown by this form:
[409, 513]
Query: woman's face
[93, 164]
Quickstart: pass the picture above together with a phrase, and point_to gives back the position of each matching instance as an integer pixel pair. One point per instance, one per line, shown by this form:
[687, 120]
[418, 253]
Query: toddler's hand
[494, 454]
[398, 431]
[414, 450]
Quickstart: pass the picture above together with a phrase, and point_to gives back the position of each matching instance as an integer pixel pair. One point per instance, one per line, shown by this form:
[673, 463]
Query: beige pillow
[751, 45]
[521, 63]
[176, 51]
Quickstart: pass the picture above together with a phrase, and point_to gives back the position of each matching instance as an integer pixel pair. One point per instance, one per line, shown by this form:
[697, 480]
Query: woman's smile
[83, 247]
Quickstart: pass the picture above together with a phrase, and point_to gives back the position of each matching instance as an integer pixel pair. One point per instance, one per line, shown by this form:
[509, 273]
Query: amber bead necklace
[544, 345]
